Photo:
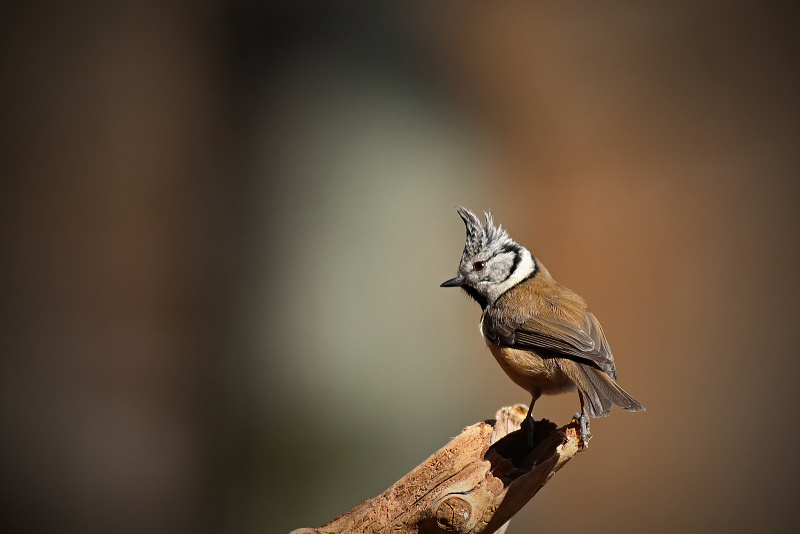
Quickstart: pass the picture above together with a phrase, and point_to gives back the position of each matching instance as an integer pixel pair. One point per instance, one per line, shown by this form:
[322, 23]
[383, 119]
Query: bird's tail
[598, 391]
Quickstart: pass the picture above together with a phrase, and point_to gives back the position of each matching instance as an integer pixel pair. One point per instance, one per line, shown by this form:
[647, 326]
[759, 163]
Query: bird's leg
[527, 423]
[583, 419]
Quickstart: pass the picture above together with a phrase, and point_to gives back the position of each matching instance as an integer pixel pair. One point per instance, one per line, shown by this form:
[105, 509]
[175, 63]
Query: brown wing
[557, 321]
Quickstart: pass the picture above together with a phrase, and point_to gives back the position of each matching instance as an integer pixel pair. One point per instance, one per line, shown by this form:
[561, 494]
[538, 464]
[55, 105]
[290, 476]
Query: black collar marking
[534, 272]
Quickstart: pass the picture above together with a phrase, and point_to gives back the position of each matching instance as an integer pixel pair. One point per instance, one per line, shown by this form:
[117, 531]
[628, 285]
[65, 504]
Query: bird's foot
[583, 420]
[527, 429]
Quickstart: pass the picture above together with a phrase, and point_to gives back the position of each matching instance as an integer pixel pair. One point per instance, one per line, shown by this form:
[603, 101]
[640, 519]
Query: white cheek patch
[524, 268]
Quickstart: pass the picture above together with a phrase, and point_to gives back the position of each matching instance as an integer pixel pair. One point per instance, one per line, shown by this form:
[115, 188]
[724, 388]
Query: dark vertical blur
[224, 224]
[110, 143]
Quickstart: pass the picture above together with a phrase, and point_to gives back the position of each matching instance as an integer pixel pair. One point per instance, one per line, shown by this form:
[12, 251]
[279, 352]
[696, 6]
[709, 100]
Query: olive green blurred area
[224, 226]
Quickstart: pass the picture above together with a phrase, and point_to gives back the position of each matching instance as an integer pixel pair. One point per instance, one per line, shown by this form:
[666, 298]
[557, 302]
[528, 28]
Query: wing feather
[559, 323]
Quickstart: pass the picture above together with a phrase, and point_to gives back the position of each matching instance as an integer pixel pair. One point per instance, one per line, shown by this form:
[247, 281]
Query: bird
[542, 334]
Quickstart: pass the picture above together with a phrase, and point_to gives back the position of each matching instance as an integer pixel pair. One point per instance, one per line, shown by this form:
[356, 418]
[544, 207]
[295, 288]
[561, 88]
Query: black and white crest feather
[482, 237]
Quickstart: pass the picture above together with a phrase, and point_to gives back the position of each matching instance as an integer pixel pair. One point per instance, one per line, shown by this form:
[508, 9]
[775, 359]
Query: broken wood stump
[472, 485]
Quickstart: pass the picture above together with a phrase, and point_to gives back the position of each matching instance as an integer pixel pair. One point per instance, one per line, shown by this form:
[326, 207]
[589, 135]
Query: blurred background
[225, 224]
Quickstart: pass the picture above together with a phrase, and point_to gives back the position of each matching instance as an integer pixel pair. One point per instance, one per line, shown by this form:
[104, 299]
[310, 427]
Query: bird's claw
[583, 420]
[527, 429]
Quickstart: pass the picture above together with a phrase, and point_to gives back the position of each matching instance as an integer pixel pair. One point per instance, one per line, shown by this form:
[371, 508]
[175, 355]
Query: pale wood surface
[474, 484]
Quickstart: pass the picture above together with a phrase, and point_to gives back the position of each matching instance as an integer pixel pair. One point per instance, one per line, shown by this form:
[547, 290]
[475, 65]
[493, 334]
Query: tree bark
[472, 485]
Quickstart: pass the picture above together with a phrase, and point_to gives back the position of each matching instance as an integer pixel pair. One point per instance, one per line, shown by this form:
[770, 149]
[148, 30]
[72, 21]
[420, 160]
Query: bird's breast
[529, 370]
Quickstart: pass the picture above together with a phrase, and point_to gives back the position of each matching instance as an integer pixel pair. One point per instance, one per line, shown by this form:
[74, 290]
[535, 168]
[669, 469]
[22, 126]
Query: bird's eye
[479, 265]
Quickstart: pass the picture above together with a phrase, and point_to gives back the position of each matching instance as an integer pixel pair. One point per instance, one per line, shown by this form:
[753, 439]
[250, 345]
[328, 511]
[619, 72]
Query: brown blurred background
[224, 225]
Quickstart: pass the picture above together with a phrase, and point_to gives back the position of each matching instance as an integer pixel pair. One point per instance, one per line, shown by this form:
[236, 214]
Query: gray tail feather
[598, 391]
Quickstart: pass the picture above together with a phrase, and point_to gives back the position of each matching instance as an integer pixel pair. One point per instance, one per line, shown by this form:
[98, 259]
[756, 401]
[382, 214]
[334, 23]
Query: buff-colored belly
[529, 371]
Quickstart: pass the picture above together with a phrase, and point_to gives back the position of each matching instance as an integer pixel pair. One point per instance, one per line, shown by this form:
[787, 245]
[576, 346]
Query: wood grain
[474, 484]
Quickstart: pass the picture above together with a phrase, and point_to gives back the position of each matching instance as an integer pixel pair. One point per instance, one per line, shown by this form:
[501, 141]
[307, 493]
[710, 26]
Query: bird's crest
[482, 236]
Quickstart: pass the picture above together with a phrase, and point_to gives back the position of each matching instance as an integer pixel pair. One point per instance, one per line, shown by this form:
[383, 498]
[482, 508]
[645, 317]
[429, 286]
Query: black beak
[454, 282]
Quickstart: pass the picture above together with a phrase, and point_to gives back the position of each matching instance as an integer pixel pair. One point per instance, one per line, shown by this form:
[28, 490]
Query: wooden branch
[474, 484]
